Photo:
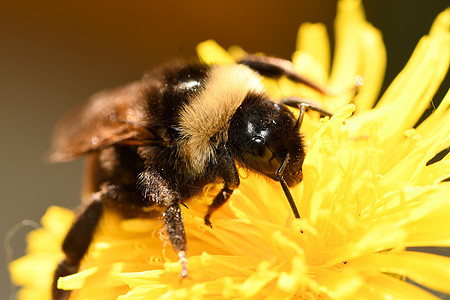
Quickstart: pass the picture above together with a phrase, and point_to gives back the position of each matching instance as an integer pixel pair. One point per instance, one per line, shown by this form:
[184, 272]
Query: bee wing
[116, 116]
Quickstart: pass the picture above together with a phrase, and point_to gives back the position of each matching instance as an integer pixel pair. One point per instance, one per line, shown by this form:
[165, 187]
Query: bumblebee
[155, 143]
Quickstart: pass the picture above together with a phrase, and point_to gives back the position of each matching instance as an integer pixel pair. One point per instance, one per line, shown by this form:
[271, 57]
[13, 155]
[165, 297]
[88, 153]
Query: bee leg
[175, 229]
[218, 201]
[77, 241]
[163, 192]
[273, 67]
[306, 104]
[231, 179]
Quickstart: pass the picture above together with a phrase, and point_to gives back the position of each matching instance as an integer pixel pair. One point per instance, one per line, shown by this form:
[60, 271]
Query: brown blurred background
[54, 54]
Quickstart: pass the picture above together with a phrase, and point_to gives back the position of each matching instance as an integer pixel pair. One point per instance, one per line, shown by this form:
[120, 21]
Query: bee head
[262, 134]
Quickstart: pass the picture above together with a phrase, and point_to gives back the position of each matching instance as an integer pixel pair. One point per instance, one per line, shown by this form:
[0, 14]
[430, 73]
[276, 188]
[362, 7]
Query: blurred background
[54, 54]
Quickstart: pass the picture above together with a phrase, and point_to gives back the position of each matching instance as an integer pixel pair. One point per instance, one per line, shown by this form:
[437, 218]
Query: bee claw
[207, 221]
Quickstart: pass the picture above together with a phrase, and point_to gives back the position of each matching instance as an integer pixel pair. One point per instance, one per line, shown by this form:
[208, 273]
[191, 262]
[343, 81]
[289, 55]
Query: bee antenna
[298, 125]
[303, 105]
[285, 187]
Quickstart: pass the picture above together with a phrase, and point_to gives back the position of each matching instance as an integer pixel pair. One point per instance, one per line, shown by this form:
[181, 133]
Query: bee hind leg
[77, 241]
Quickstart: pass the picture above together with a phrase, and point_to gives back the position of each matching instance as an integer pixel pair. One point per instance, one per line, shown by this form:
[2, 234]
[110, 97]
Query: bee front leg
[230, 176]
[218, 201]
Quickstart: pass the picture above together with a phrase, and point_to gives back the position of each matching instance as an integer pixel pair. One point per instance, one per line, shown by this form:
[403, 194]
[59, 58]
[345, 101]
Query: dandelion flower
[368, 193]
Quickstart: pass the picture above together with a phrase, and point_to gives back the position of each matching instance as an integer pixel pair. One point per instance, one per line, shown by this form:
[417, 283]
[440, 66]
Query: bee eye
[264, 157]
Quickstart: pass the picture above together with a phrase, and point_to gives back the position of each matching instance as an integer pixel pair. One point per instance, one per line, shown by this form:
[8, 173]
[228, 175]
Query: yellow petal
[312, 40]
[434, 274]
[211, 53]
[382, 286]
[441, 24]
[34, 269]
[338, 284]
[372, 67]
[348, 23]
[75, 281]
